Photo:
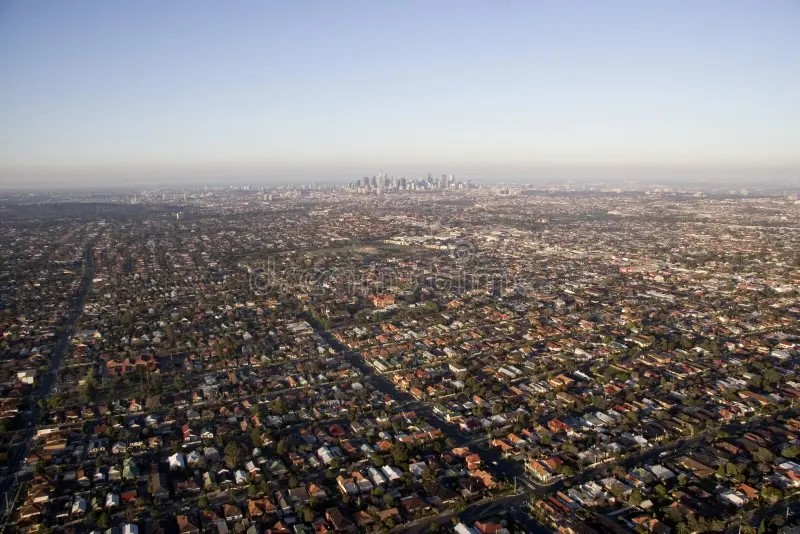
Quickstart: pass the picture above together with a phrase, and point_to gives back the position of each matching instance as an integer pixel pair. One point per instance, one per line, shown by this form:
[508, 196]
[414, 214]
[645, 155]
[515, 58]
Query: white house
[79, 506]
[27, 376]
[177, 461]
[112, 500]
[392, 473]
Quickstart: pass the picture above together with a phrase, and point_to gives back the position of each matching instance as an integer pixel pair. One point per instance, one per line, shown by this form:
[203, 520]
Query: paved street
[47, 381]
[492, 459]
[507, 469]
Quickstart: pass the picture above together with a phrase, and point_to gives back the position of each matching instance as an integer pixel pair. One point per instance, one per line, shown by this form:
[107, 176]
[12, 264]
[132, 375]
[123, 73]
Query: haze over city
[110, 93]
[399, 267]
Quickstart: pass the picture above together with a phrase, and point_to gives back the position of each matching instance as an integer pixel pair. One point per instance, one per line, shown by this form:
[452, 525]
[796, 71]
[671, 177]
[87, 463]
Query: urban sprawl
[400, 356]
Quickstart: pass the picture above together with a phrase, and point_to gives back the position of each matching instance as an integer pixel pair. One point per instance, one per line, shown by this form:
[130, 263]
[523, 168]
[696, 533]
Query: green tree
[762, 455]
[399, 453]
[54, 401]
[731, 470]
[256, 436]
[88, 388]
[429, 474]
[231, 455]
[178, 382]
[771, 495]
[790, 452]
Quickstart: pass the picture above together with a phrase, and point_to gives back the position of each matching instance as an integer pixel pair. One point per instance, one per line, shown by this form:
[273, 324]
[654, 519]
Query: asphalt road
[491, 458]
[507, 469]
[47, 381]
[789, 507]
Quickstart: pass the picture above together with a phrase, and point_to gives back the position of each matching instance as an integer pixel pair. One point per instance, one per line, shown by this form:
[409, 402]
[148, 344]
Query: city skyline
[98, 94]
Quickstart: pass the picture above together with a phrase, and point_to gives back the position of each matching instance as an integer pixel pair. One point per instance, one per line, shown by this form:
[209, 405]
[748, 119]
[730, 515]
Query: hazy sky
[119, 91]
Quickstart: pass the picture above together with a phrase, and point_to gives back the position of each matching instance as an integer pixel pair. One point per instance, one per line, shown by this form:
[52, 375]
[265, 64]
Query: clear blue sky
[118, 91]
